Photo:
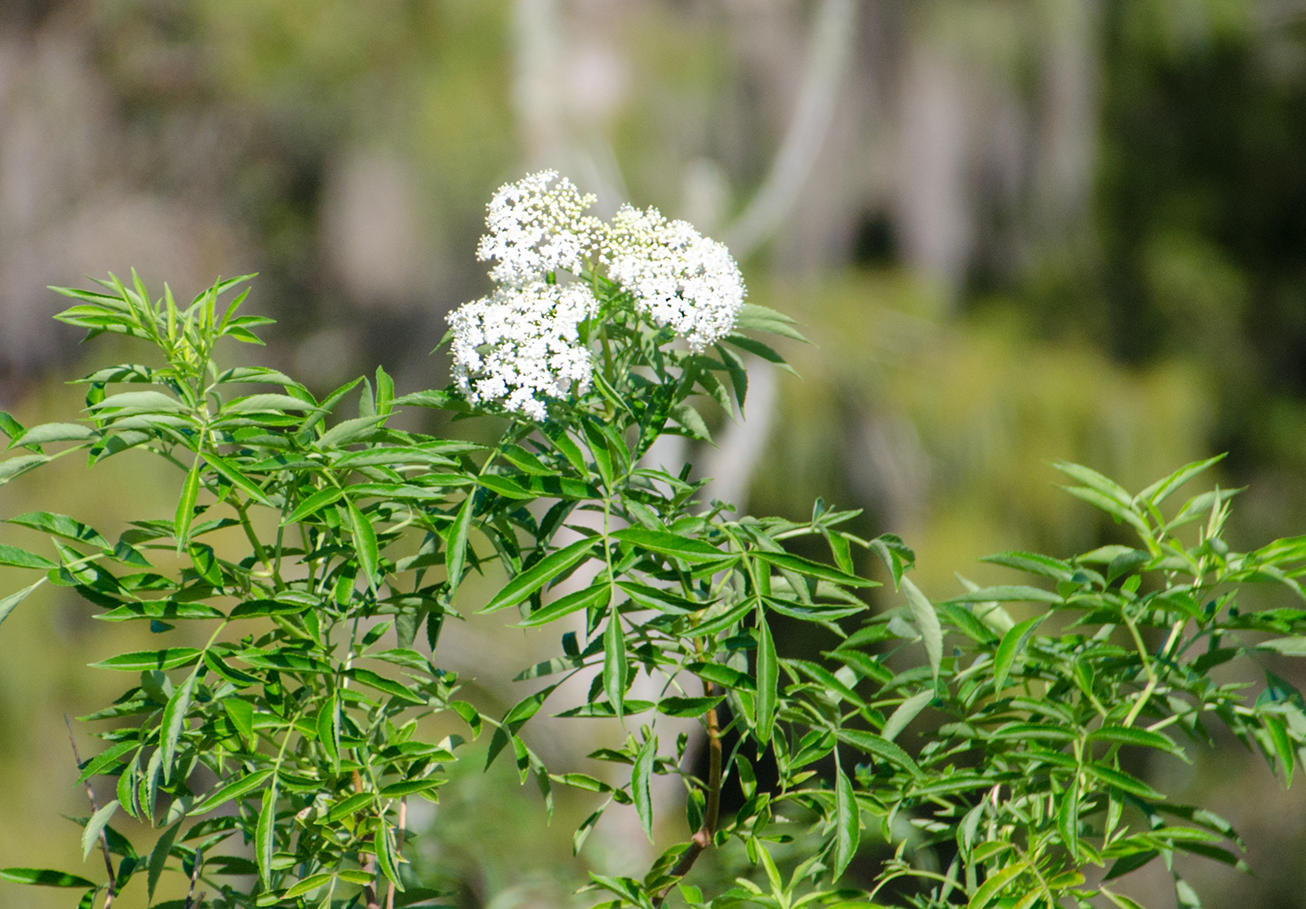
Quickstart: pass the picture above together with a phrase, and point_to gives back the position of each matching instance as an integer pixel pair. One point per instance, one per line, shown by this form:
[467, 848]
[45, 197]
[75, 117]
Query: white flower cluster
[677, 276]
[522, 344]
[536, 229]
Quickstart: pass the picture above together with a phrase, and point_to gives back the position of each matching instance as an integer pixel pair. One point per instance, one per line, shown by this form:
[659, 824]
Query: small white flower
[521, 345]
[536, 228]
[677, 276]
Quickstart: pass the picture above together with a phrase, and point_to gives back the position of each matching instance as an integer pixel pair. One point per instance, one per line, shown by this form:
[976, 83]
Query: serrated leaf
[62, 526]
[185, 512]
[847, 824]
[93, 827]
[539, 574]
[927, 622]
[768, 682]
[365, 545]
[8, 604]
[639, 785]
[159, 857]
[174, 722]
[596, 597]
[56, 432]
[456, 545]
[878, 746]
[235, 789]
[308, 885]
[614, 663]
[168, 658]
[670, 544]
[43, 877]
[15, 466]
[1011, 645]
[905, 713]
[811, 569]
[993, 886]
[21, 558]
[265, 834]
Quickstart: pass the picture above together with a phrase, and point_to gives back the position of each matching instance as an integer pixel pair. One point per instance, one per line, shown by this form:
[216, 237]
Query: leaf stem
[95, 806]
[702, 838]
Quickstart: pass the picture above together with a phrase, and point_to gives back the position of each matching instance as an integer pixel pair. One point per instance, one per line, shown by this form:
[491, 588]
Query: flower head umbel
[521, 344]
[678, 277]
[537, 226]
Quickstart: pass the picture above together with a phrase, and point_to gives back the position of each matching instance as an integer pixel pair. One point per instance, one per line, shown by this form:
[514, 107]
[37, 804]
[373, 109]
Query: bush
[277, 758]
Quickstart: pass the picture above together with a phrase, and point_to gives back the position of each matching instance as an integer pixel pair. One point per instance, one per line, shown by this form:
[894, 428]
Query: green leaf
[383, 839]
[15, 466]
[808, 568]
[759, 318]
[1117, 510]
[159, 857]
[907, 711]
[8, 603]
[21, 558]
[93, 827]
[504, 486]
[456, 544]
[308, 885]
[614, 663]
[43, 877]
[927, 622]
[768, 681]
[381, 683]
[265, 834]
[670, 544]
[691, 421]
[595, 597]
[992, 887]
[174, 722]
[847, 824]
[328, 730]
[1119, 899]
[236, 788]
[62, 526]
[1158, 491]
[1007, 593]
[539, 574]
[186, 506]
[107, 758]
[266, 402]
[56, 432]
[1295, 646]
[168, 658]
[313, 504]
[1128, 735]
[233, 475]
[348, 432]
[872, 744]
[409, 787]
[1068, 818]
[639, 785]
[364, 544]
[1012, 643]
[241, 714]
[1123, 781]
[689, 708]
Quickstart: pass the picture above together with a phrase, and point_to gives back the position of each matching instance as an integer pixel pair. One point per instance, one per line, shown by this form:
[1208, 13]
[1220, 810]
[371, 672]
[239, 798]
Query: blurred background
[1015, 231]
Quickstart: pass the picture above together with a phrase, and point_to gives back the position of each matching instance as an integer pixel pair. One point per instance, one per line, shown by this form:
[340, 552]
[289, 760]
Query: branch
[702, 838]
[95, 806]
[399, 845]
